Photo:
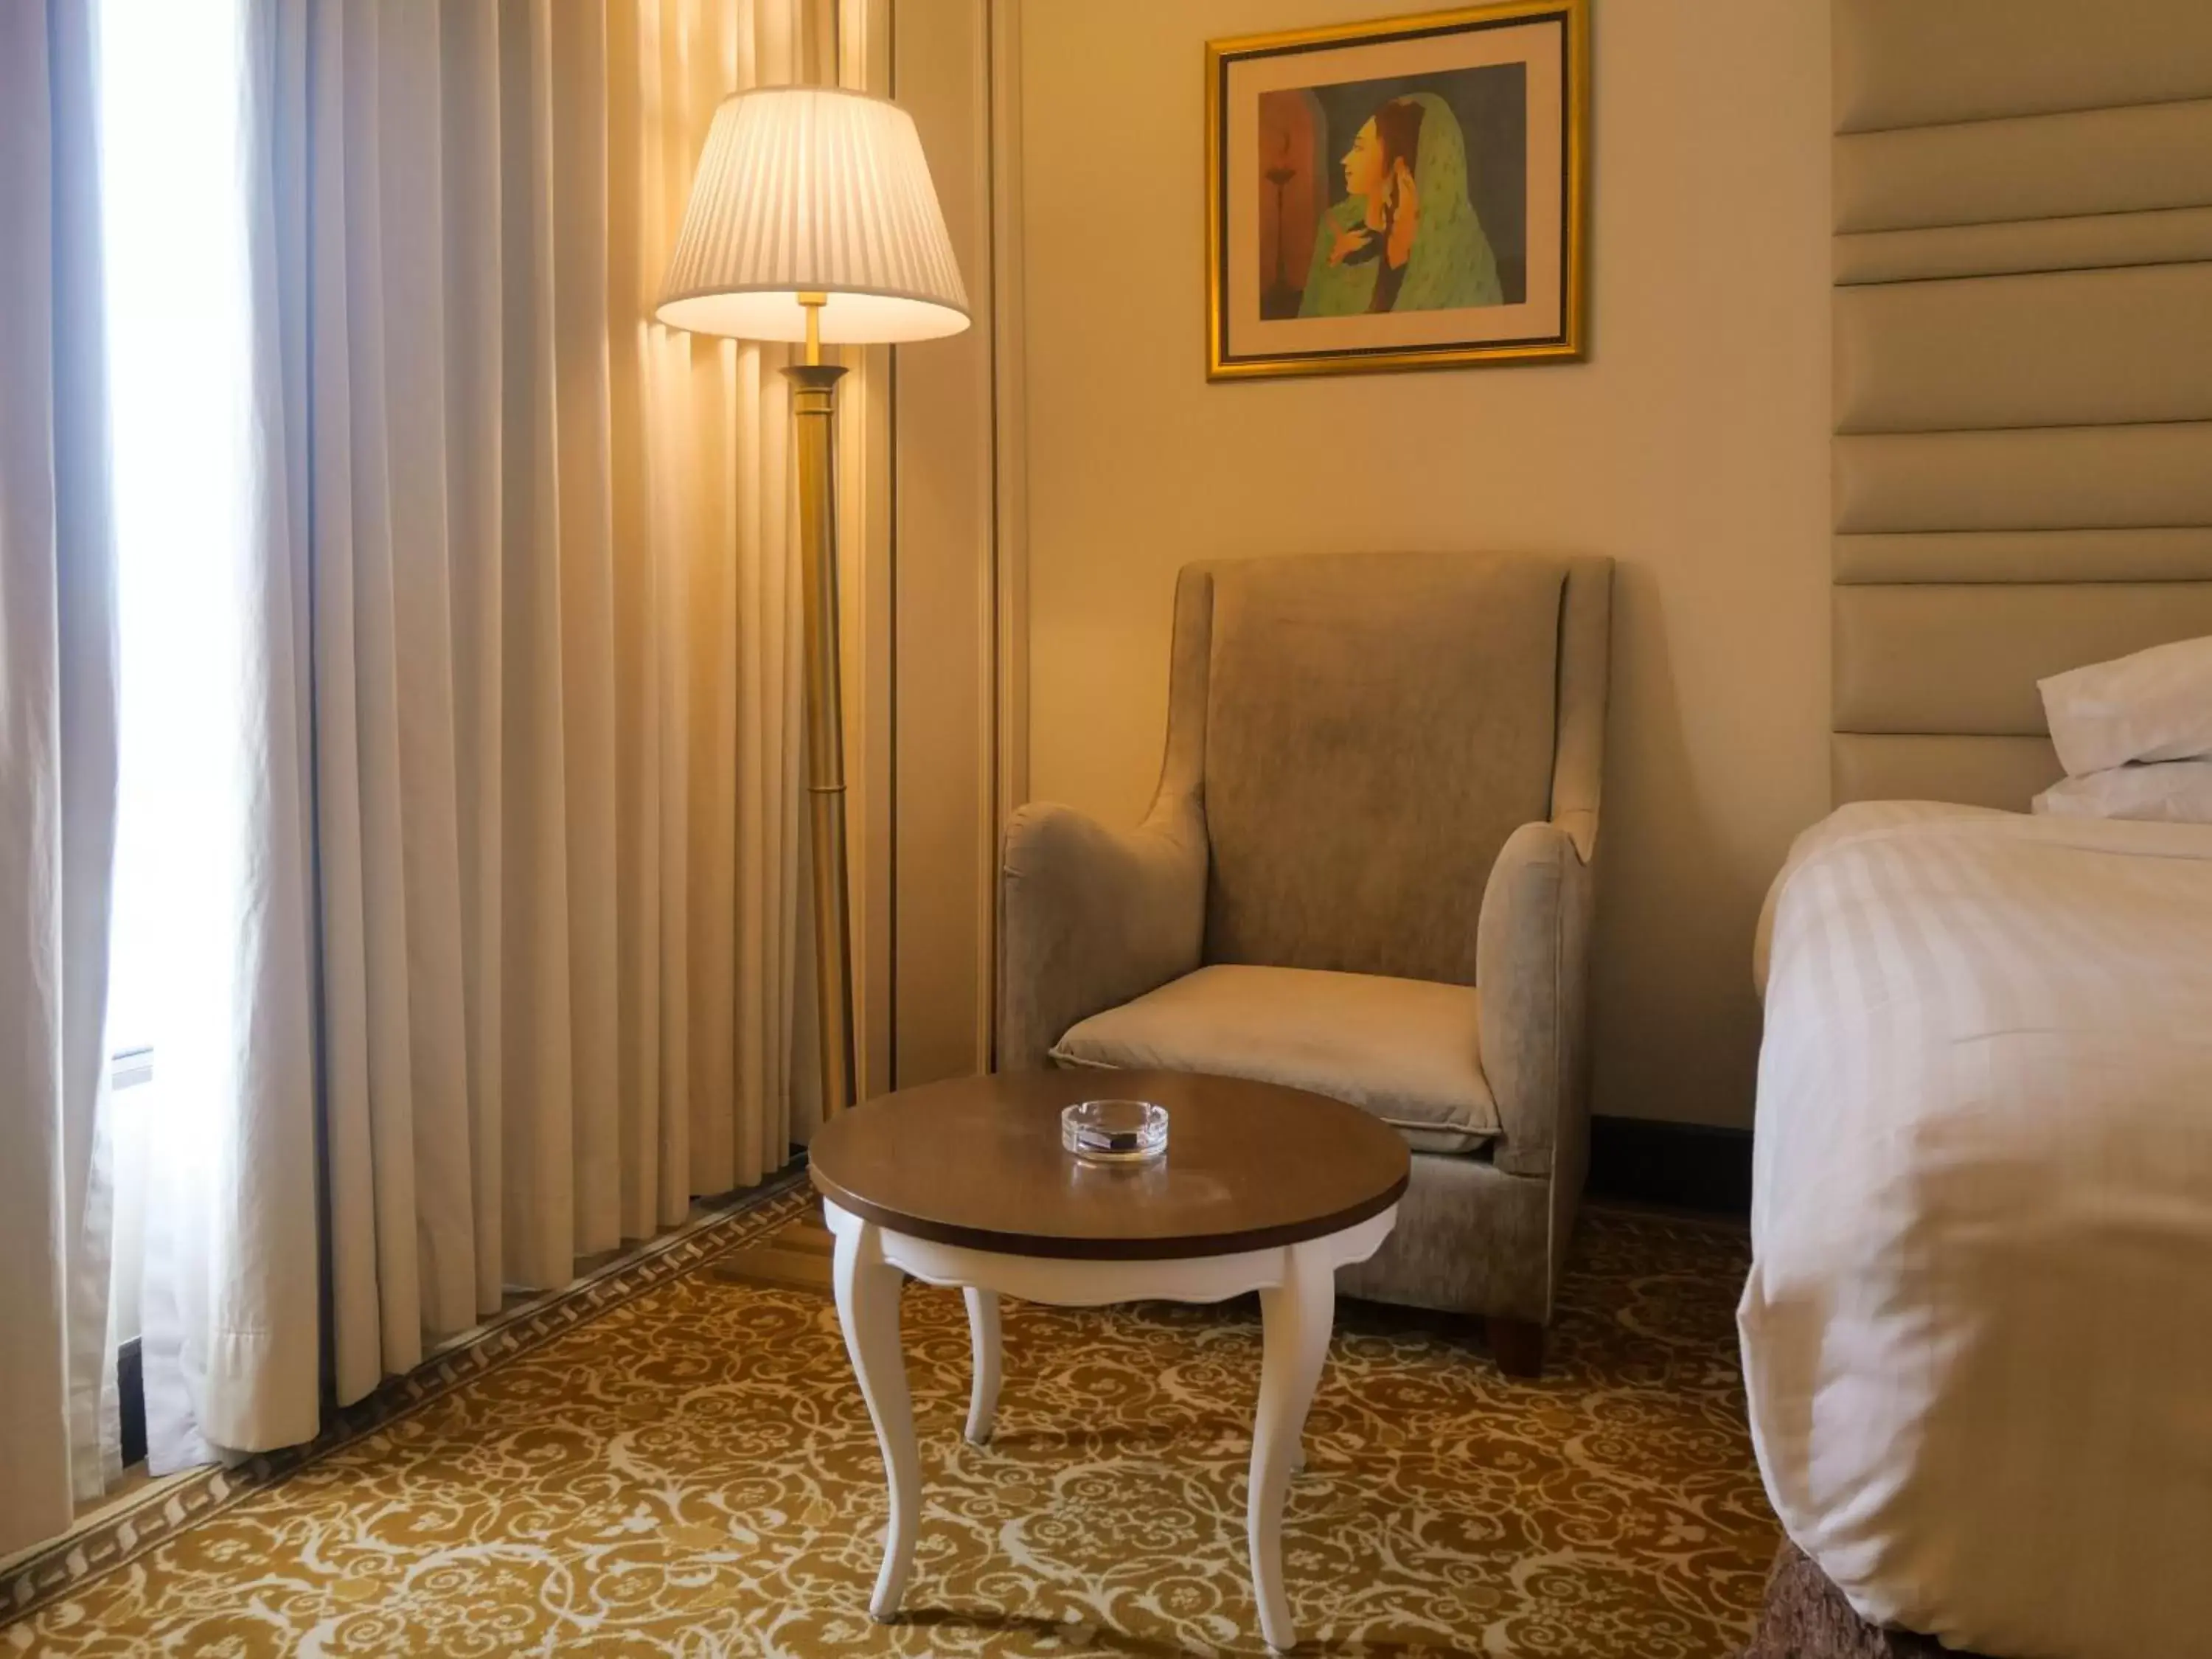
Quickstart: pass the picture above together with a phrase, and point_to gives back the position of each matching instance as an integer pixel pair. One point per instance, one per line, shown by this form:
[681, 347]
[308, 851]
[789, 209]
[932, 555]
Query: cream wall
[1691, 447]
[944, 581]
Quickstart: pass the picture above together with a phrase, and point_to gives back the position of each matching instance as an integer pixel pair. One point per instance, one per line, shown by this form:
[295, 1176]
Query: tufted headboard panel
[2023, 372]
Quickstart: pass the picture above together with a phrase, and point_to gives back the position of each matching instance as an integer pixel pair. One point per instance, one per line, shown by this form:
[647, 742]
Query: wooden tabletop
[977, 1161]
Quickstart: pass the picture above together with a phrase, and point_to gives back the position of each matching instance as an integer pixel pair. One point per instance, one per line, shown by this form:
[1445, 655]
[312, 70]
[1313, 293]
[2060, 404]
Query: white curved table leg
[983, 1340]
[868, 1309]
[1296, 1317]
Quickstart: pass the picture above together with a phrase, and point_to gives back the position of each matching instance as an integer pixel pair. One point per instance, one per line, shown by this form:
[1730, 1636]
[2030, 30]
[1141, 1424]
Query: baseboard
[131, 1401]
[1692, 1166]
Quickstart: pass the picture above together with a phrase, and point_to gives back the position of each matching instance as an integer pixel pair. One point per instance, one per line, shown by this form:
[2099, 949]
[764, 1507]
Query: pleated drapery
[58, 771]
[545, 552]
[556, 659]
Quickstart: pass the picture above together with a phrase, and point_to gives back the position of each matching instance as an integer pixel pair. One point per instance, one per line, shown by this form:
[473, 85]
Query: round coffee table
[965, 1183]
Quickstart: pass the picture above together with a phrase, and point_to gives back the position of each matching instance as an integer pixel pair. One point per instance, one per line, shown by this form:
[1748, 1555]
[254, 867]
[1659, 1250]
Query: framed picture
[1399, 194]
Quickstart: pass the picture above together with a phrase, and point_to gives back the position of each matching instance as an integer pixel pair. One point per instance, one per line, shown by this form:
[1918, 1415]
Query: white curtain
[57, 768]
[542, 550]
[216, 745]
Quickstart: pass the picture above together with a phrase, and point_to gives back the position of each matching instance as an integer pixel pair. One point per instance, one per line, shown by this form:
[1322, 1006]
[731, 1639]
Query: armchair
[1366, 871]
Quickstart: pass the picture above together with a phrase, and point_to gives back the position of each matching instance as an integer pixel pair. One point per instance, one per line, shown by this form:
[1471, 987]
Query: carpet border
[83, 1555]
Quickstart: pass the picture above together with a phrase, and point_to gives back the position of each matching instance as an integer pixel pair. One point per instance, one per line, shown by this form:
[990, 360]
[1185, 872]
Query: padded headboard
[2023, 372]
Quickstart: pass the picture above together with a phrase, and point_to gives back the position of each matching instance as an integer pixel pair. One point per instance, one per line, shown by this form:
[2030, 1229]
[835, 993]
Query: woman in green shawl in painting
[1405, 238]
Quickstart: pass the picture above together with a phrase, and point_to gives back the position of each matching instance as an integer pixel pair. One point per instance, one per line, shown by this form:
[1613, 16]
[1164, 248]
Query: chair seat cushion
[1407, 1050]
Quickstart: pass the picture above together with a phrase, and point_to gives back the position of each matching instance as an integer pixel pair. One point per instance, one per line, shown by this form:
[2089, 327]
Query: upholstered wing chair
[1366, 872]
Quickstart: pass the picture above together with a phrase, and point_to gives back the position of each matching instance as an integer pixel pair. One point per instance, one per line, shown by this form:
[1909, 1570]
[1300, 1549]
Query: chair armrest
[1090, 917]
[1532, 967]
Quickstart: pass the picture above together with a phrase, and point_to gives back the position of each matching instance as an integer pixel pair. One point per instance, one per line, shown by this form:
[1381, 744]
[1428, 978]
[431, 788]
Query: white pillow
[2175, 792]
[2153, 706]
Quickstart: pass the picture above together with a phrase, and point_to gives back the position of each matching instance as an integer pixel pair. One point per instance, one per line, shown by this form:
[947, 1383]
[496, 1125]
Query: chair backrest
[1372, 727]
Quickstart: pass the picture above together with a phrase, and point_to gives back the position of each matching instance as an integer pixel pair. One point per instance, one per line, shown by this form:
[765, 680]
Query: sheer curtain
[538, 552]
[216, 935]
[57, 778]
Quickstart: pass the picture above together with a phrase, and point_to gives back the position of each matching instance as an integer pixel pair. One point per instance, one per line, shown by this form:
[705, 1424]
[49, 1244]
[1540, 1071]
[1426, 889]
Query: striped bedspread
[1978, 1331]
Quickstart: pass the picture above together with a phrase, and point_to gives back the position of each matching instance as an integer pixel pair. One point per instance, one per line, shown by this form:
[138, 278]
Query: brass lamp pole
[812, 218]
[814, 414]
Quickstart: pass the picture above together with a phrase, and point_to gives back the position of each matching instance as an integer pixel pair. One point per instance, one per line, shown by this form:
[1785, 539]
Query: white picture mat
[1541, 45]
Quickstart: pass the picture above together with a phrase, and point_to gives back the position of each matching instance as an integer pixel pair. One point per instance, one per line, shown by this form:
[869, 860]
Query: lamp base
[796, 1257]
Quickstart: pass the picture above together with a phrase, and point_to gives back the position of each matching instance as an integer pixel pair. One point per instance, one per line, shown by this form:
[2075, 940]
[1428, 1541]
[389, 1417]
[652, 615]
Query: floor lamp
[813, 219]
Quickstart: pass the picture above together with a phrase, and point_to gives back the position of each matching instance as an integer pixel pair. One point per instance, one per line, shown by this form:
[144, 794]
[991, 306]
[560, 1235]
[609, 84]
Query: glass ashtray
[1114, 1131]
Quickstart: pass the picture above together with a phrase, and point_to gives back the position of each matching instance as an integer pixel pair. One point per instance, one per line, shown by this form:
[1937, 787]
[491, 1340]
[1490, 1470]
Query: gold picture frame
[1467, 131]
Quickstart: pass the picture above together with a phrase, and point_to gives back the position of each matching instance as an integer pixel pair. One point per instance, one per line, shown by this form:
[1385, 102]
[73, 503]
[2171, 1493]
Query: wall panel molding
[959, 630]
[1010, 458]
[860, 52]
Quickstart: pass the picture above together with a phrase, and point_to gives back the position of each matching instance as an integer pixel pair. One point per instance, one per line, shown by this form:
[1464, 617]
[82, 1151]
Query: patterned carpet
[686, 1468]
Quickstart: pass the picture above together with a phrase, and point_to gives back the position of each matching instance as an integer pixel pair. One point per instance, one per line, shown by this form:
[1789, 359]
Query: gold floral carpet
[685, 1468]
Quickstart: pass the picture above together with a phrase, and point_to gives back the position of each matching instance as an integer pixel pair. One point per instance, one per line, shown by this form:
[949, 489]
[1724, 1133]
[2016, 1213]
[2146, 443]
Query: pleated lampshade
[813, 190]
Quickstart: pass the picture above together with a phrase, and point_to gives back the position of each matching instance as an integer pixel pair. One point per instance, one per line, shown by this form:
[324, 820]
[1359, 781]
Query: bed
[1978, 1335]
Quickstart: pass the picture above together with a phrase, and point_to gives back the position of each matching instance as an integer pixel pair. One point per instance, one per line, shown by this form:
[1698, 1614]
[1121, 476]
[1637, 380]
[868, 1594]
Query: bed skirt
[1805, 1617]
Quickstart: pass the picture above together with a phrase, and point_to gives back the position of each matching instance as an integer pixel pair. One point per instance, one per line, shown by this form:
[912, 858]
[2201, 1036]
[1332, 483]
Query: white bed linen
[2158, 792]
[1977, 1331]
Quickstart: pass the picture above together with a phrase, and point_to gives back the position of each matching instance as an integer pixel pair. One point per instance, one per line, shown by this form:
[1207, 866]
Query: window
[179, 397]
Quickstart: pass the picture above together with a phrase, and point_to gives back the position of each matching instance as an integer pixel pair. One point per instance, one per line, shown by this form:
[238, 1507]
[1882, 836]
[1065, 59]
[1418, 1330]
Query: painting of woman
[1405, 237]
[1403, 192]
